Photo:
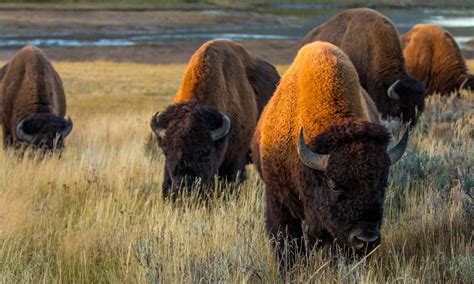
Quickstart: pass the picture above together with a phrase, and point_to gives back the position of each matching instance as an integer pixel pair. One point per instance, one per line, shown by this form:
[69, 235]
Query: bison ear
[160, 132]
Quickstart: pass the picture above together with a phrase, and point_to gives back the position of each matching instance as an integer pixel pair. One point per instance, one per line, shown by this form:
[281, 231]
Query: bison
[321, 153]
[372, 43]
[432, 55]
[207, 129]
[33, 103]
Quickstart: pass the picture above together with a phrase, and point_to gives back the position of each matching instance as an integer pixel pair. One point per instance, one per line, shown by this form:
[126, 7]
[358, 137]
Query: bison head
[353, 166]
[44, 131]
[410, 97]
[194, 140]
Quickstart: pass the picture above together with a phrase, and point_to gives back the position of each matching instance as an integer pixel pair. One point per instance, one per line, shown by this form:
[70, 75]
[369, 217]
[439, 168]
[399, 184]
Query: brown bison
[432, 55]
[33, 104]
[208, 128]
[372, 43]
[322, 154]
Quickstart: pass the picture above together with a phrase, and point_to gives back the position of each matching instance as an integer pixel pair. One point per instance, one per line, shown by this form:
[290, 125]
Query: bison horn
[464, 83]
[155, 119]
[391, 91]
[397, 152]
[308, 157]
[66, 131]
[222, 131]
[22, 135]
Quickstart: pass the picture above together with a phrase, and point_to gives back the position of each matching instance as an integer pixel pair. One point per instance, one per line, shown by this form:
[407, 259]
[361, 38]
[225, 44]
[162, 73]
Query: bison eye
[333, 187]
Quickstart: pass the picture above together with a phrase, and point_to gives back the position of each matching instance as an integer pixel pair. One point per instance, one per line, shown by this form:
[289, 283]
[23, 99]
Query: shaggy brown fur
[321, 93]
[432, 55]
[372, 43]
[32, 91]
[221, 77]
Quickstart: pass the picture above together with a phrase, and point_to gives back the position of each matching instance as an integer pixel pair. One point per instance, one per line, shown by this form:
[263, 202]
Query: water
[292, 26]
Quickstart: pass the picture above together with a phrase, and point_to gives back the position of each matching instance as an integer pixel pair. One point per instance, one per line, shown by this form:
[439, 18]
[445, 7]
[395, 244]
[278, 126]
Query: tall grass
[95, 214]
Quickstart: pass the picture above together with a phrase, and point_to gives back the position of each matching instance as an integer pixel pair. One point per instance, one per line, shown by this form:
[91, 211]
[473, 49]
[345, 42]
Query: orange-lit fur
[432, 55]
[318, 90]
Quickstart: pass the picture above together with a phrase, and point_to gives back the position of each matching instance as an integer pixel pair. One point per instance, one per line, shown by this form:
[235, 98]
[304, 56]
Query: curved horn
[308, 157]
[222, 131]
[397, 152]
[68, 128]
[391, 91]
[464, 83]
[160, 132]
[22, 135]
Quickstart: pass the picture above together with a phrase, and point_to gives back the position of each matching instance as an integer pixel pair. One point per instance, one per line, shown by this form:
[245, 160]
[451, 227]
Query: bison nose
[360, 239]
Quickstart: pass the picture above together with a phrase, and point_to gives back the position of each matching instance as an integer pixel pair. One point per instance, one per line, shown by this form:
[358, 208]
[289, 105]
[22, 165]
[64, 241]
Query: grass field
[96, 214]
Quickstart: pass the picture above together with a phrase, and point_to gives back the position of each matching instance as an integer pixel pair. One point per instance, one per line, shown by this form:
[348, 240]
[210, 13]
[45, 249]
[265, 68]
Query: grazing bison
[432, 55]
[322, 154]
[32, 103]
[208, 128]
[372, 43]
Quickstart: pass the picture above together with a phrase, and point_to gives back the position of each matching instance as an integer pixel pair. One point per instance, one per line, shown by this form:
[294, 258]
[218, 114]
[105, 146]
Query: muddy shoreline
[276, 52]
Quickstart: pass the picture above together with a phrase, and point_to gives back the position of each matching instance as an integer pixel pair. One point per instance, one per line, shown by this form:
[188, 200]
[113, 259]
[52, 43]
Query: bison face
[194, 140]
[353, 167]
[44, 131]
[410, 95]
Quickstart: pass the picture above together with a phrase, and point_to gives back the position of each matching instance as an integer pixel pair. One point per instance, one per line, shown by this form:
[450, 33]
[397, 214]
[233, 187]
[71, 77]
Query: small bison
[208, 128]
[372, 43]
[32, 103]
[432, 55]
[321, 153]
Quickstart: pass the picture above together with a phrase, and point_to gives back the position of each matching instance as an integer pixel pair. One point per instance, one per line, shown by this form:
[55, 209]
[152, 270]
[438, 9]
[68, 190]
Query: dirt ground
[276, 52]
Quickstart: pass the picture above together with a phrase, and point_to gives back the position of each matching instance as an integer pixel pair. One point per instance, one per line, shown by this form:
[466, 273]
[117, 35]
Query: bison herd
[314, 135]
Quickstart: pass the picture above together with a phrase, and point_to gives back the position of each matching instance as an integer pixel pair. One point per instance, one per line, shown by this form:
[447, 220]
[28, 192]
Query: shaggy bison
[322, 154]
[208, 128]
[372, 43]
[432, 55]
[33, 104]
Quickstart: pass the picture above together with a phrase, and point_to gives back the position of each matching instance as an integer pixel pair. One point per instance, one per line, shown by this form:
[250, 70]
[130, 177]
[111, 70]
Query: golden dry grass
[96, 213]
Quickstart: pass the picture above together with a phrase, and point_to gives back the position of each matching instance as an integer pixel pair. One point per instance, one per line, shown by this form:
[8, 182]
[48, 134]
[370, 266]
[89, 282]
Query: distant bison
[32, 103]
[208, 128]
[322, 154]
[432, 55]
[372, 43]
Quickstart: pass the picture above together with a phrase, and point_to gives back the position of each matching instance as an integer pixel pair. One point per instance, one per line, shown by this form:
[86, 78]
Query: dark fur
[372, 43]
[32, 90]
[221, 77]
[358, 166]
[189, 149]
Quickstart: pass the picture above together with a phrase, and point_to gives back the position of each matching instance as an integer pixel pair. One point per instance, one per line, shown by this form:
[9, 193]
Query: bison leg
[166, 187]
[285, 231]
[232, 172]
[7, 138]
